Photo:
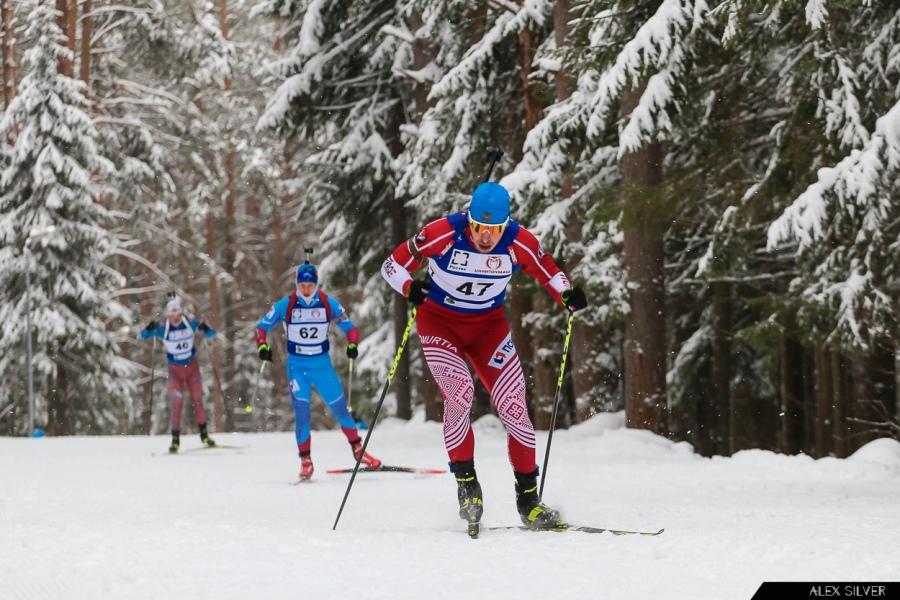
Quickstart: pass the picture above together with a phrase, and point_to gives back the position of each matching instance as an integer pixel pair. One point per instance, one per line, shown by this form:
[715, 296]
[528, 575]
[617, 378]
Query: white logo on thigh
[503, 352]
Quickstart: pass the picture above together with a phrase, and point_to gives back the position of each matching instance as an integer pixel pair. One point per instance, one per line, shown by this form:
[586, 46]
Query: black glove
[151, 326]
[203, 327]
[352, 351]
[574, 299]
[418, 292]
[265, 352]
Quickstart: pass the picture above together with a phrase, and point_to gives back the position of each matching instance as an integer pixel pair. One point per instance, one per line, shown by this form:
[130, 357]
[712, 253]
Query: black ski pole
[559, 382]
[492, 157]
[387, 384]
[152, 379]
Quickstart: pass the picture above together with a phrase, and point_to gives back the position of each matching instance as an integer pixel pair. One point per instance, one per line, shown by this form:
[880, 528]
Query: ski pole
[559, 382]
[152, 379]
[492, 156]
[387, 384]
[249, 408]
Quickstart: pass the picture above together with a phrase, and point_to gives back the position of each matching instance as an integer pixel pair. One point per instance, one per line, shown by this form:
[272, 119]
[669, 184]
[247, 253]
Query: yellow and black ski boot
[468, 492]
[535, 514]
[176, 442]
[204, 437]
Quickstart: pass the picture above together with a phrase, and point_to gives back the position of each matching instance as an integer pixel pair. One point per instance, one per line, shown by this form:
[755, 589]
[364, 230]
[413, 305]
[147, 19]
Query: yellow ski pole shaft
[387, 384]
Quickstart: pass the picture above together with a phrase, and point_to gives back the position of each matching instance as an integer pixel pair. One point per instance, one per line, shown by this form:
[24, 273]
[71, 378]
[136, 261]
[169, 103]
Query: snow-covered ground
[101, 517]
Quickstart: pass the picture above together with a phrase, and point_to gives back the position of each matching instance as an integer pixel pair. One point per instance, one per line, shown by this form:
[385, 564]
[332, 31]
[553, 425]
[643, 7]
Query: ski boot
[306, 466]
[368, 461]
[468, 492]
[534, 513]
[176, 442]
[204, 437]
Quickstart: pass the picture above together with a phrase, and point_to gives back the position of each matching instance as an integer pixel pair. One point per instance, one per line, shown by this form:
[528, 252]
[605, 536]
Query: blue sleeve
[195, 323]
[339, 316]
[275, 315]
[158, 332]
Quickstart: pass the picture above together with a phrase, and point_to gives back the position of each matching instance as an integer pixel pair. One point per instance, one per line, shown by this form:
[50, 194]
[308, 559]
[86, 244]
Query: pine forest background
[721, 176]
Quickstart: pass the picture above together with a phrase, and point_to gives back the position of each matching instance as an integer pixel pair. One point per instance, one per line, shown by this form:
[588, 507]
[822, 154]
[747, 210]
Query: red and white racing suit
[463, 319]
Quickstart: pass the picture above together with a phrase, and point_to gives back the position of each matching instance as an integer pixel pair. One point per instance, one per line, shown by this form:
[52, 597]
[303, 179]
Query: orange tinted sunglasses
[493, 229]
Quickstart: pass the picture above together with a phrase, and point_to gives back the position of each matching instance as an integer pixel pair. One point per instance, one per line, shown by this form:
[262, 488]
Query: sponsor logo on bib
[459, 260]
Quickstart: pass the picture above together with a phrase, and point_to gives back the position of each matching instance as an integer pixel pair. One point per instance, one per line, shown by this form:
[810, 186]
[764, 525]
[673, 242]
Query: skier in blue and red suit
[471, 257]
[177, 334]
[306, 315]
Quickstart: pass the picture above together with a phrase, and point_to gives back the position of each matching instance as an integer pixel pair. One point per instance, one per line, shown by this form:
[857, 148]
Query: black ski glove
[418, 292]
[574, 299]
[265, 352]
[152, 325]
[352, 351]
[203, 326]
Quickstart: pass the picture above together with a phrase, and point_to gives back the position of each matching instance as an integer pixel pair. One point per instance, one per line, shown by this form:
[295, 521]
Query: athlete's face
[306, 288]
[485, 237]
[175, 317]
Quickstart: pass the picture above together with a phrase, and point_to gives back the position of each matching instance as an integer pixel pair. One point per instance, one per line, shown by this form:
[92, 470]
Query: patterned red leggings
[448, 339]
[181, 376]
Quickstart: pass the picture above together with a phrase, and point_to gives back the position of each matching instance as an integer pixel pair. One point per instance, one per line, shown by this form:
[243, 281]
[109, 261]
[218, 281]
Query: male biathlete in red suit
[471, 257]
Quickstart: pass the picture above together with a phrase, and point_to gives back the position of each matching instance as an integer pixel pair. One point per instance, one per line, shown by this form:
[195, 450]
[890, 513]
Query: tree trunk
[8, 54]
[824, 396]
[809, 401]
[228, 291]
[587, 376]
[862, 394]
[218, 401]
[401, 382]
[544, 370]
[746, 419]
[873, 396]
[64, 65]
[543, 337]
[791, 396]
[720, 378]
[86, 34]
[423, 55]
[563, 81]
[58, 413]
[71, 31]
[840, 428]
[477, 18]
[229, 247]
[897, 382]
[645, 351]
[532, 105]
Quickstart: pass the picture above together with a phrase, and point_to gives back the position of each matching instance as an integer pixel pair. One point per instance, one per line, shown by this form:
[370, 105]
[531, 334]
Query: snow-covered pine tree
[344, 90]
[488, 92]
[567, 186]
[846, 223]
[51, 179]
[176, 102]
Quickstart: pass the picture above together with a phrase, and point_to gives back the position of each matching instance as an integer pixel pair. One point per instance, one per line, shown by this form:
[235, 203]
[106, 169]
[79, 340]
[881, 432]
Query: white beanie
[173, 306]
